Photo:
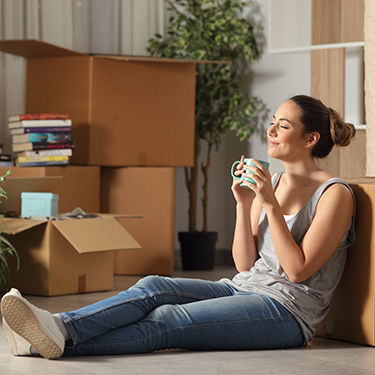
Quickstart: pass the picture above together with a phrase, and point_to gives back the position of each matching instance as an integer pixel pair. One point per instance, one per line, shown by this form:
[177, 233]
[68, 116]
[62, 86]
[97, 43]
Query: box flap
[14, 226]
[110, 216]
[34, 48]
[159, 59]
[14, 186]
[93, 235]
[31, 48]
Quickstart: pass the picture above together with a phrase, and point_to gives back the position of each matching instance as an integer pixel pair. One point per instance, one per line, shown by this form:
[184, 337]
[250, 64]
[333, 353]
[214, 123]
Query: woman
[291, 236]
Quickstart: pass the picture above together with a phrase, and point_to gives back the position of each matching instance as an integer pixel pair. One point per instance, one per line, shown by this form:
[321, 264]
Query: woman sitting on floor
[291, 236]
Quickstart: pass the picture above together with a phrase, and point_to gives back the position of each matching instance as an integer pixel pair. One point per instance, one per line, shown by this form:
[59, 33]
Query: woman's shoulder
[334, 184]
[328, 179]
[336, 194]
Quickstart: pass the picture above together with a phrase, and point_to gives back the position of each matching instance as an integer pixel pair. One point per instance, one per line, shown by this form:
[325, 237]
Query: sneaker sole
[25, 324]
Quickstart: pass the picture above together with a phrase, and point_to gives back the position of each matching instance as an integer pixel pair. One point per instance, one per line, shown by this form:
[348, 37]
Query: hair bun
[342, 132]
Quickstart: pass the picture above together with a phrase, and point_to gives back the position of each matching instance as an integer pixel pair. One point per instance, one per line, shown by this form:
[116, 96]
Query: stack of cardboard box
[134, 118]
[352, 314]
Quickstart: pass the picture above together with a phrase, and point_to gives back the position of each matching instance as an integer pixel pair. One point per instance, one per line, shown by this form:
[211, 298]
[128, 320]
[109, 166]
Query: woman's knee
[168, 316]
[151, 281]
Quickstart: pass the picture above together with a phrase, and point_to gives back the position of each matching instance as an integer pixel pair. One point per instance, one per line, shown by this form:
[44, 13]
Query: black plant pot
[198, 250]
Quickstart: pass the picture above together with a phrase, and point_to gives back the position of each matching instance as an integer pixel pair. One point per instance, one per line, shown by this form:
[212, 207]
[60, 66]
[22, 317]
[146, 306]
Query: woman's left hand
[263, 188]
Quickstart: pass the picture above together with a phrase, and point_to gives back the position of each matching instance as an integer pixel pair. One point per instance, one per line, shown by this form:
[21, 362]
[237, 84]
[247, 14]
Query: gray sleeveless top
[308, 301]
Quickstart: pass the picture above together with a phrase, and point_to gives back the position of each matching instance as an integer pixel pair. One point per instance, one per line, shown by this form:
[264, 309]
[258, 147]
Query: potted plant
[6, 250]
[210, 30]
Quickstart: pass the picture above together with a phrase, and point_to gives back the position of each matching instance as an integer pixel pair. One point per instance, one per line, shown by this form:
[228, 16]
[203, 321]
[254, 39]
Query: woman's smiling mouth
[271, 143]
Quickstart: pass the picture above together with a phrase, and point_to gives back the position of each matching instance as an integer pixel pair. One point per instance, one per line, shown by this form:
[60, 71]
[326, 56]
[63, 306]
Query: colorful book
[41, 137]
[39, 123]
[29, 159]
[34, 146]
[58, 152]
[47, 129]
[43, 163]
[38, 116]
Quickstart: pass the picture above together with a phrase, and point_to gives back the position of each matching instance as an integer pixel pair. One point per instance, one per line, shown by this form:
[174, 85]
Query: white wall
[275, 78]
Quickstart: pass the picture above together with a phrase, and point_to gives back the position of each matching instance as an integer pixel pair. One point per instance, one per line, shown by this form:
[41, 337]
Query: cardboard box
[352, 314]
[67, 256]
[79, 187]
[125, 110]
[149, 192]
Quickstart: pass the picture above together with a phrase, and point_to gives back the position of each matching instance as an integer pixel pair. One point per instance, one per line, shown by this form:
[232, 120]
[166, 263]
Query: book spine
[57, 129]
[39, 123]
[43, 163]
[38, 116]
[51, 137]
[28, 159]
[61, 152]
[35, 137]
[49, 146]
[34, 146]
[42, 137]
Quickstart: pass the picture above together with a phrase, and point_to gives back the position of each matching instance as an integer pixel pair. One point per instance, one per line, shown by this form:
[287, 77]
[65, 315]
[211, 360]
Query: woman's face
[286, 139]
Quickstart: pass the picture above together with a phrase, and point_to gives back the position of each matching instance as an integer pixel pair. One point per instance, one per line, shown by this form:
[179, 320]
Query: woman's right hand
[242, 195]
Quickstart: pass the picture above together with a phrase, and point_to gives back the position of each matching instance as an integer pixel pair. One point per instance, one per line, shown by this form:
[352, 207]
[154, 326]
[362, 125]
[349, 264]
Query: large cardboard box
[67, 256]
[149, 192]
[125, 110]
[352, 314]
[79, 186]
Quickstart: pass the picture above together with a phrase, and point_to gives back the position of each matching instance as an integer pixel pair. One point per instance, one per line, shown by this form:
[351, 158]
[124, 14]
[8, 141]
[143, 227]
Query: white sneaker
[26, 323]
[18, 345]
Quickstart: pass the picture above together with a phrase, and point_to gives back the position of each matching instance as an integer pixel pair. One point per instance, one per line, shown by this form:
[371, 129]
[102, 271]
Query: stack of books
[41, 139]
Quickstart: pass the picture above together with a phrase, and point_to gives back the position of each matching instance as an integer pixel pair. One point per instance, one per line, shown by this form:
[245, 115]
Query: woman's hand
[263, 187]
[244, 248]
[242, 195]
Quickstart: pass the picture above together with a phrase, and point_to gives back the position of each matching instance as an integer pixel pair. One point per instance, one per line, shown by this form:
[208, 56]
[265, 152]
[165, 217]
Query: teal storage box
[43, 204]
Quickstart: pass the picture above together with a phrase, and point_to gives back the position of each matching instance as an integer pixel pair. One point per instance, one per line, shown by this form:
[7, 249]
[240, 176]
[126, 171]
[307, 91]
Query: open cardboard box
[62, 256]
[126, 111]
[67, 256]
[352, 314]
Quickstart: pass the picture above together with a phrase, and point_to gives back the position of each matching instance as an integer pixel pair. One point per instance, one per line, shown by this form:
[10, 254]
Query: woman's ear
[312, 139]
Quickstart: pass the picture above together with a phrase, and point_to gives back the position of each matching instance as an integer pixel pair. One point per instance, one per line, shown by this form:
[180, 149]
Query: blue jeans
[164, 313]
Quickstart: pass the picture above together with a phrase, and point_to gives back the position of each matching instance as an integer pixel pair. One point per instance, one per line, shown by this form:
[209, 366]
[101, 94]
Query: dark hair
[317, 117]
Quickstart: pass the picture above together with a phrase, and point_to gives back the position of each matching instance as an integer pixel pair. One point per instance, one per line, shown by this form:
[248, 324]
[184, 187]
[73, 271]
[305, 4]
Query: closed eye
[281, 125]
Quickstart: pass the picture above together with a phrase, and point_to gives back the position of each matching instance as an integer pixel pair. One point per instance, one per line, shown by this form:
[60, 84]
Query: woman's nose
[271, 131]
